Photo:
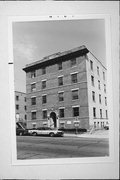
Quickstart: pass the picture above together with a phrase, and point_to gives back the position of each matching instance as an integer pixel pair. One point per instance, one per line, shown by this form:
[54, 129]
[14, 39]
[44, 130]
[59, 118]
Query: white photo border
[61, 161]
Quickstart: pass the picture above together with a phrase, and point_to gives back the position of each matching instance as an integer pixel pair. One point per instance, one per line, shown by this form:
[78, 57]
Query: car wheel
[34, 134]
[20, 133]
[51, 134]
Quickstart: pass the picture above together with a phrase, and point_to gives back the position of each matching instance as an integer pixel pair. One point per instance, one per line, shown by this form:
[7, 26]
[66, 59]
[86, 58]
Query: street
[36, 147]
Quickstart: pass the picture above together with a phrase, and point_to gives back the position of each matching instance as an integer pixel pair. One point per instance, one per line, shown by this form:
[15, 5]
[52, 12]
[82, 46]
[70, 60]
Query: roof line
[21, 92]
[97, 59]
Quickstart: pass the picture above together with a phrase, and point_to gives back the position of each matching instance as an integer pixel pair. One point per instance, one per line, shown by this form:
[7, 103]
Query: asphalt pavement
[30, 147]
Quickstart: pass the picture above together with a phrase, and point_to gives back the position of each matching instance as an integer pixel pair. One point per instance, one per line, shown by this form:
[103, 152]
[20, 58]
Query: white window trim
[61, 107]
[74, 73]
[60, 92]
[75, 89]
[34, 111]
[44, 109]
[44, 95]
[75, 106]
[33, 97]
[60, 76]
[33, 83]
[44, 80]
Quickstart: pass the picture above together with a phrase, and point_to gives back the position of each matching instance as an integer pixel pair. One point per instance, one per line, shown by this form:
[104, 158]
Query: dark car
[21, 131]
[106, 127]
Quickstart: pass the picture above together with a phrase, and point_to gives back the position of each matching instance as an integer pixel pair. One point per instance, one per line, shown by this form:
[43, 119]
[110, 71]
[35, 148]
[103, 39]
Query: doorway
[54, 118]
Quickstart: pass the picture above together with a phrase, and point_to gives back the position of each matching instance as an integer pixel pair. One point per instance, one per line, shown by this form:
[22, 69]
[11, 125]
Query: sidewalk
[96, 134]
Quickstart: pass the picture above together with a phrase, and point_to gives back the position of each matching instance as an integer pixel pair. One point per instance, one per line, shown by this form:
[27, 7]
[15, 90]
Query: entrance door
[53, 116]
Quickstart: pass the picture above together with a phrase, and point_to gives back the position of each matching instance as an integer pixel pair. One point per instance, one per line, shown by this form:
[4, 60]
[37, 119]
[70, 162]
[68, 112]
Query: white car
[45, 131]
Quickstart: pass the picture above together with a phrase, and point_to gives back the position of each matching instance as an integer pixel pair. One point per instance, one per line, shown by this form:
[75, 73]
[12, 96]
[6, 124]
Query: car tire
[34, 134]
[51, 134]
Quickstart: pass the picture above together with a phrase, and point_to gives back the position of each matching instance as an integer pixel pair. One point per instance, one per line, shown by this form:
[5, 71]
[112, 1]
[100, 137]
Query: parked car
[45, 131]
[106, 127]
[21, 131]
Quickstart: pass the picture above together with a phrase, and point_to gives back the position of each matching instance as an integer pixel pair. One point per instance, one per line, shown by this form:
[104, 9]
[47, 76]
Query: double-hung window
[33, 100]
[75, 111]
[44, 99]
[43, 84]
[75, 94]
[73, 62]
[44, 70]
[92, 80]
[59, 65]
[60, 81]
[44, 114]
[93, 96]
[33, 74]
[61, 112]
[61, 96]
[94, 112]
[74, 78]
[91, 65]
[33, 87]
[33, 115]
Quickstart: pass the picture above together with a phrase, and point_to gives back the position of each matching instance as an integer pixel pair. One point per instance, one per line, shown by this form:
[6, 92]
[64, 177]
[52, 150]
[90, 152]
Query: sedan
[45, 131]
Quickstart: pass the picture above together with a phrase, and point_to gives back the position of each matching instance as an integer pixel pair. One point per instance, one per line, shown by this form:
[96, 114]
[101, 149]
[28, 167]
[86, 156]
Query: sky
[36, 39]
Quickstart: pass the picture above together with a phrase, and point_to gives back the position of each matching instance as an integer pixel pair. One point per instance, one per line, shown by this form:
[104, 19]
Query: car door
[40, 131]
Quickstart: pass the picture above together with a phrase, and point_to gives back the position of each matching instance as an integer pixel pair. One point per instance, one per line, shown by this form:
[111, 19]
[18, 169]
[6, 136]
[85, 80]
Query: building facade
[20, 106]
[67, 89]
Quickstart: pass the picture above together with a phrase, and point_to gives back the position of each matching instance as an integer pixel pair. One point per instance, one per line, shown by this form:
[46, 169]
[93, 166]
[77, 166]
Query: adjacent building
[67, 89]
[20, 106]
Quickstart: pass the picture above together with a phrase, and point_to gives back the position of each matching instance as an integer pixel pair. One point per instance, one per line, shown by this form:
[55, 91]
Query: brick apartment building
[65, 89]
[20, 106]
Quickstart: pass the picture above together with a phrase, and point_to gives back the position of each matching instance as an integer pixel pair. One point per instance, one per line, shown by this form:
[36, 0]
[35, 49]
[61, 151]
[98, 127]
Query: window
[61, 112]
[33, 115]
[105, 88]
[94, 124]
[60, 81]
[91, 65]
[100, 98]
[44, 114]
[59, 65]
[25, 99]
[44, 99]
[100, 113]
[93, 96]
[44, 70]
[33, 87]
[74, 78]
[33, 101]
[25, 108]
[106, 114]
[105, 101]
[98, 71]
[33, 74]
[94, 112]
[75, 111]
[25, 117]
[98, 84]
[44, 84]
[103, 75]
[92, 80]
[75, 94]
[73, 62]
[61, 96]
[17, 98]
[17, 107]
